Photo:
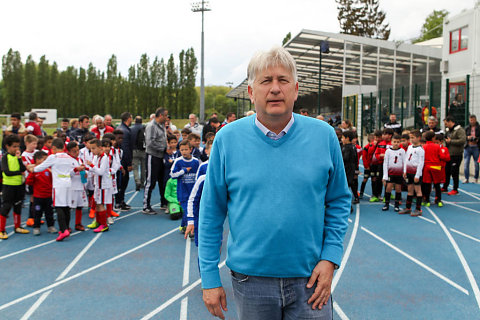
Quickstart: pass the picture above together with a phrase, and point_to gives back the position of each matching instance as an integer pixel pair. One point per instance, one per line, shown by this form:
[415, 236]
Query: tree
[433, 26]
[189, 92]
[82, 91]
[287, 38]
[12, 73]
[362, 18]
[143, 82]
[171, 87]
[111, 85]
[52, 87]
[29, 83]
[41, 88]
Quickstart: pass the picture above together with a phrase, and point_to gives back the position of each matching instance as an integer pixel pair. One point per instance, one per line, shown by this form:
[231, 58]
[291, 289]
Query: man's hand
[416, 180]
[190, 229]
[215, 300]
[447, 140]
[323, 275]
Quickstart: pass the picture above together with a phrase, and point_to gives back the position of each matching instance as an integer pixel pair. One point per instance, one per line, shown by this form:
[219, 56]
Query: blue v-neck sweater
[287, 201]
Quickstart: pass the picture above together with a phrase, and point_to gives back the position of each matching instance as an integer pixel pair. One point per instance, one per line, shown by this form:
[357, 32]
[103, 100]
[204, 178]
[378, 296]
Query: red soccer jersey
[381, 149]
[365, 156]
[47, 150]
[42, 182]
[432, 154]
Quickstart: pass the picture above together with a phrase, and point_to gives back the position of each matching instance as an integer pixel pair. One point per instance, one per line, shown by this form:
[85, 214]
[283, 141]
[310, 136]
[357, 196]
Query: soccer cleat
[52, 229]
[183, 229]
[416, 213]
[114, 214]
[110, 221]
[118, 206]
[101, 228]
[63, 235]
[440, 204]
[427, 204]
[374, 199]
[149, 211]
[453, 193]
[405, 211]
[444, 190]
[30, 222]
[356, 200]
[3, 235]
[125, 207]
[36, 231]
[21, 230]
[79, 227]
[93, 225]
[385, 207]
[91, 214]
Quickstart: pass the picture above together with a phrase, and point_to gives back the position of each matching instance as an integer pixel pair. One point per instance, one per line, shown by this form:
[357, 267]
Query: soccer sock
[428, 190]
[78, 216]
[109, 210]
[17, 220]
[409, 201]
[438, 192]
[419, 203]
[398, 197]
[3, 223]
[31, 211]
[387, 198]
[102, 217]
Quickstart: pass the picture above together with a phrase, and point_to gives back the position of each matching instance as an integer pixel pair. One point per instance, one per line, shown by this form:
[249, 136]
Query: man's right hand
[215, 300]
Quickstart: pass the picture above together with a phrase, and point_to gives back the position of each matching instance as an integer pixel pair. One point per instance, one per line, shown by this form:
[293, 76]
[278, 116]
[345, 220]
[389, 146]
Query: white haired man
[287, 221]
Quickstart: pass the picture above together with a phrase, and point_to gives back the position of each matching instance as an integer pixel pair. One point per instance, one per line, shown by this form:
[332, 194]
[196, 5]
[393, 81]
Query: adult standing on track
[126, 160]
[455, 139]
[287, 221]
[471, 148]
[138, 161]
[393, 124]
[156, 143]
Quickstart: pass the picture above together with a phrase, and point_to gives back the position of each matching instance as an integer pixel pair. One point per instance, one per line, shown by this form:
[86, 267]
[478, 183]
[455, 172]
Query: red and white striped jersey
[393, 163]
[414, 160]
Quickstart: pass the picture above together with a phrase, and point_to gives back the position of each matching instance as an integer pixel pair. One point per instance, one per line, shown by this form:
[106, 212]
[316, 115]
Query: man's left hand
[323, 275]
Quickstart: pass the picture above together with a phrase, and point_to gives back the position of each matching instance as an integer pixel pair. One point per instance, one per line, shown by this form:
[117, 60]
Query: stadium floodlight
[201, 7]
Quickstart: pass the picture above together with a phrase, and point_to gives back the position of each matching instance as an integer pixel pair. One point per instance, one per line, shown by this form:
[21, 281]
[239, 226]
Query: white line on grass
[79, 274]
[62, 275]
[177, 296]
[465, 265]
[421, 264]
[463, 207]
[339, 272]
[339, 311]
[465, 235]
[186, 279]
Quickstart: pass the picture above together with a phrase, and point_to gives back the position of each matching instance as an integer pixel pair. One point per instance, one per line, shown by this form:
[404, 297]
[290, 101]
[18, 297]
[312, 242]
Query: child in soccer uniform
[432, 169]
[77, 194]
[405, 142]
[358, 148]
[42, 195]
[412, 172]
[382, 147]
[47, 145]
[375, 168]
[193, 206]
[103, 182]
[12, 186]
[27, 158]
[87, 155]
[194, 140]
[366, 163]
[444, 157]
[169, 157]
[63, 166]
[184, 169]
[393, 172]
[115, 156]
[349, 155]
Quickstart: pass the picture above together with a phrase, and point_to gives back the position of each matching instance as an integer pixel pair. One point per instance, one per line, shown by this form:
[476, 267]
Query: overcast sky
[76, 33]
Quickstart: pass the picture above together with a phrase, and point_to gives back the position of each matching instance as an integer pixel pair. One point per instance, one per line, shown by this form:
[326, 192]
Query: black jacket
[134, 130]
[78, 135]
[349, 154]
[468, 130]
[126, 145]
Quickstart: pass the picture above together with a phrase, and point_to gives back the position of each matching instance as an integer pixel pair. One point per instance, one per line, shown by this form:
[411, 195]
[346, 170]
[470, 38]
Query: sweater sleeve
[45, 164]
[194, 199]
[337, 206]
[177, 170]
[213, 211]
[421, 161]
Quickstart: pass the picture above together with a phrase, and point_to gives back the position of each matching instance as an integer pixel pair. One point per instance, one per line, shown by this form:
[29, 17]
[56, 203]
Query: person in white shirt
[393, 172]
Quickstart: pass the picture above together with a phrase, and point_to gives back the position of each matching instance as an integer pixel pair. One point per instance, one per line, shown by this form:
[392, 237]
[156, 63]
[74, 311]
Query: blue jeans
[262, 298]
[471, 151]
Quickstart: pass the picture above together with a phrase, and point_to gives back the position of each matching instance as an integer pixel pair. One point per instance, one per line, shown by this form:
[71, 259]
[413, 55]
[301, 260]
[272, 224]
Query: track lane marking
[463, 207]
[465, 235]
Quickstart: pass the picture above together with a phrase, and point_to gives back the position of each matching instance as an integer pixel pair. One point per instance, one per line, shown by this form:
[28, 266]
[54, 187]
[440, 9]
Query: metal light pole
[201, 7]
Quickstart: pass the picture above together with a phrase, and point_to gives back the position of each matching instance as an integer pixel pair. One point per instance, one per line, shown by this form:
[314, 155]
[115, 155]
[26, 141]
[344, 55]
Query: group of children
[409, 162]
[60, 176]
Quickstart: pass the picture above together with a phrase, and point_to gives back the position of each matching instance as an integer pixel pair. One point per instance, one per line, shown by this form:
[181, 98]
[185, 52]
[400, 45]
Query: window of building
[459, 40]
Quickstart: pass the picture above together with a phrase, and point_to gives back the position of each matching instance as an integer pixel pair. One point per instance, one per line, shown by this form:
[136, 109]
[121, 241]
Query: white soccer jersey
[62, 167]
[102, 173]
[414, 160]
[76, 178]
[87, 155]
[393, 163]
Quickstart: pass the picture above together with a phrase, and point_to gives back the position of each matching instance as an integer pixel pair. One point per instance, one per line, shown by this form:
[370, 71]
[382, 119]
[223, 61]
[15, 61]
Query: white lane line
[131, 191]
[339, 272]
[463, 207]
[421, 264]
[465, 235]
[186, 279]
[131, 198]
[465, 265]
[349, 220]
[177, 296]
[62, 275]
[339, 311]
[426, 219]
[469, 193]
[79, 274]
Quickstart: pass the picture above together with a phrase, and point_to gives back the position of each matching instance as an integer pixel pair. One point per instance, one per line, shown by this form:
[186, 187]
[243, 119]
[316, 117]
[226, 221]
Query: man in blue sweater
[287, 221]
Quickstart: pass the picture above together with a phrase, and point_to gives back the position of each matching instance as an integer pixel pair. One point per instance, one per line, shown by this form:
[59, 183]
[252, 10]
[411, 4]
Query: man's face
[64, 125]
[449, 124]
[129, 121]
[216, 125]
[432, 124]
[473, 121]
[40, 121]
[100, 124]
[393, 118]
[15, 122]
[192, 118]
[274, 92]
[85, 123]
[163, 117]
[108, 120]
